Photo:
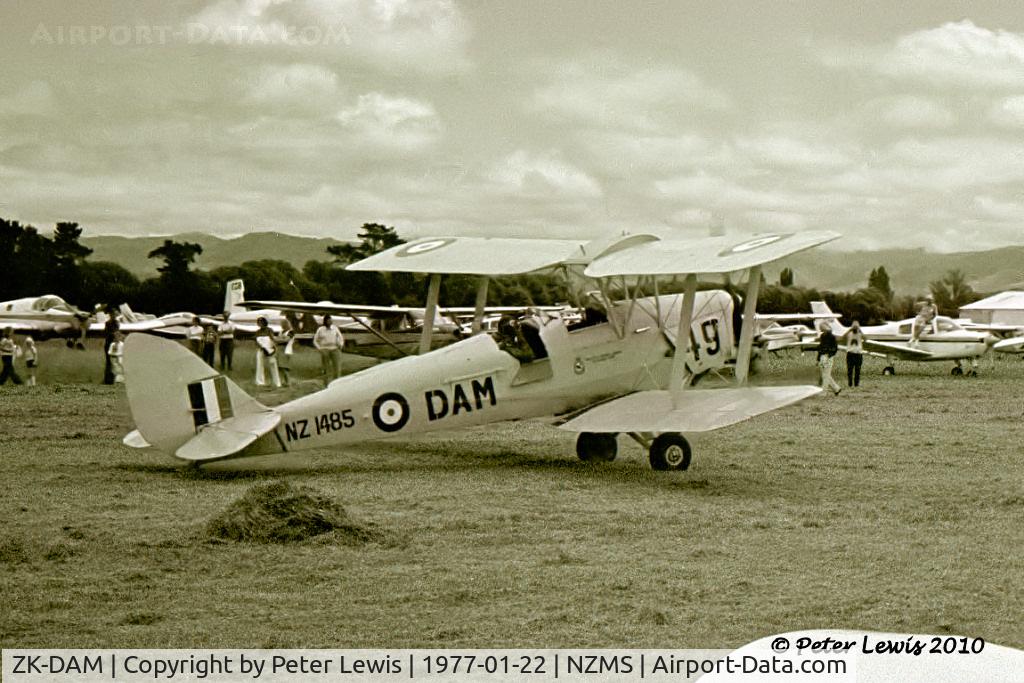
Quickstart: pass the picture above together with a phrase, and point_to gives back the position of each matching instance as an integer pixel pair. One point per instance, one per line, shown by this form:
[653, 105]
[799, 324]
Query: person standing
[827, 349]
[209, 343]
[266, 355]
[116, 353]
[110, 328]
[195, 337]
[226, 337]
[329, 343]
[7, 351]
[854, 354]
[288, 337]
[31, 359]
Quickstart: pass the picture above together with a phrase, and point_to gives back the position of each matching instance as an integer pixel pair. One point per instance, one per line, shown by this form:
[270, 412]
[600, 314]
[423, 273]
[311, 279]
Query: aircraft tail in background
[234, 294]
[820, 308]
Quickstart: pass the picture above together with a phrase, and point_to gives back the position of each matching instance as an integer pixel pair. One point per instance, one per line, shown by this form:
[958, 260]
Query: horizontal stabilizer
[1011, 345]
[692, 410]
[134, 439]
[225, 438]
[900, 351]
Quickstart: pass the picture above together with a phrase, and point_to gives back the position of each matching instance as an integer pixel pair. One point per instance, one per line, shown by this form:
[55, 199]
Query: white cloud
[953, 54]
[423, 35]
[542, 174]
[293, 86]
[392, 121]
[35, 99]
[910, 111]
[1008, 112]
[605, 93]
[790, 152]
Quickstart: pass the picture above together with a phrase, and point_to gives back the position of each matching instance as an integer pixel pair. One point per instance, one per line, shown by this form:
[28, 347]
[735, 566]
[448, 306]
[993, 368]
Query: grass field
[896, 507]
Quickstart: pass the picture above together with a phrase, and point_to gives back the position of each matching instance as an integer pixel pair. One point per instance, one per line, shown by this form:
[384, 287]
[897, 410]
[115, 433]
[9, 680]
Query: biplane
[626, 368]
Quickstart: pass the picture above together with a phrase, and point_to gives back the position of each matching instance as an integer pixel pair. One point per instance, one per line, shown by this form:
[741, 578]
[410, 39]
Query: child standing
[31, 359]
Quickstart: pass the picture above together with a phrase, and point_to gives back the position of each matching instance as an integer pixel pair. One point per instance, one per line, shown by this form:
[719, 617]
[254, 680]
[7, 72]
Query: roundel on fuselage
[751, 244]
[390, 412]
[417, 248]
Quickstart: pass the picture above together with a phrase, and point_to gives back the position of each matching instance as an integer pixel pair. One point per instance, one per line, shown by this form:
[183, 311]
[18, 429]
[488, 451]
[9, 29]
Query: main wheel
[594, 447]
[670, 451]
[956, 371]
[888, 370]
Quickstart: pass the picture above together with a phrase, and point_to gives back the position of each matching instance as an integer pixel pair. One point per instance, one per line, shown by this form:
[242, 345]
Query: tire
[957, 371]
[595, 447]
[670, 451]
[888, 371]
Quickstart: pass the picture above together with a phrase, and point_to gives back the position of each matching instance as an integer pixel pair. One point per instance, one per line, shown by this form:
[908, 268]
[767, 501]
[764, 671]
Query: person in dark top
[827, 349]
[110, 330]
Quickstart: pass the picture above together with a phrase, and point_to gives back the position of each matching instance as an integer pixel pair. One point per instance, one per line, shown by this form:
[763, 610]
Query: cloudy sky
[897, 126]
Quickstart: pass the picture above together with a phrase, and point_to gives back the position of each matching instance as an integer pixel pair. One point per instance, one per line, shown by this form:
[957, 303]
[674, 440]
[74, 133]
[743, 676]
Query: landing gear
[888, 371]
[957, 371]
[670, 451]
[595, 447]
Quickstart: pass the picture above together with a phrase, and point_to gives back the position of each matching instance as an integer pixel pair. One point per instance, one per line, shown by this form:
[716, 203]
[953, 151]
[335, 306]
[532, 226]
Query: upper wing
[639, 254]
[709, 255]
[474, 256]
[897, 350]
[700, 410]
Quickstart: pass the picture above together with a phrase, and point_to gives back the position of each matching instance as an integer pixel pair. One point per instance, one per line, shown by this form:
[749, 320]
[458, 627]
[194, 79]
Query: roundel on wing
[424, 247]
[390, 412]
[755, 243]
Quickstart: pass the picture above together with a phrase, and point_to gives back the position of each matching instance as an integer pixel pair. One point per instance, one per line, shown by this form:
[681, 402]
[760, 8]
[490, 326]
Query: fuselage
[475, 381]
[944, 340]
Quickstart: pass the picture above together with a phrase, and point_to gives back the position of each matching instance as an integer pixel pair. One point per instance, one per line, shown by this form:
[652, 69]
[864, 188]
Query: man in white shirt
[195, 337]
[329, 342]
[226, 335]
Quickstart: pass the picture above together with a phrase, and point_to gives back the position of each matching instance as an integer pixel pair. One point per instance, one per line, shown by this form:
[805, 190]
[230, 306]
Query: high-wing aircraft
[625, 371]
[944, 340]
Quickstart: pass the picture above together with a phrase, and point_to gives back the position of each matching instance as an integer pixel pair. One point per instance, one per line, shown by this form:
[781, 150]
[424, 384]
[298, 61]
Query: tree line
[36, 264]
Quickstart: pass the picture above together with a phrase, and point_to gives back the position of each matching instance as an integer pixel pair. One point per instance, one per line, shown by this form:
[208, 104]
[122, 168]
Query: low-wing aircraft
[49, 316]
[626, 371]
[44, 317]
[943, 340]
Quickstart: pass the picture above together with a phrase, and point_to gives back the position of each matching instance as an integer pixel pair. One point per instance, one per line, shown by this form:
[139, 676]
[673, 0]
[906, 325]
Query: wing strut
[675, 381]
[481, 301]
[747, 331]
[433, 291]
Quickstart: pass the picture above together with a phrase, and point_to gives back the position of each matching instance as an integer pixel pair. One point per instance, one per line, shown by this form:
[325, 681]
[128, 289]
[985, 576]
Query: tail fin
[128, 314]
[234, 294]
[820, 308]
[184, 407]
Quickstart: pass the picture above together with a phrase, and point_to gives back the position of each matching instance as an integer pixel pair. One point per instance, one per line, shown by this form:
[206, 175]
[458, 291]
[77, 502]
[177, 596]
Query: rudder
[173, 394]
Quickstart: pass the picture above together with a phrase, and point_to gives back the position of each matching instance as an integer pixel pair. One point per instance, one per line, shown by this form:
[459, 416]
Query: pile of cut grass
[278, 512]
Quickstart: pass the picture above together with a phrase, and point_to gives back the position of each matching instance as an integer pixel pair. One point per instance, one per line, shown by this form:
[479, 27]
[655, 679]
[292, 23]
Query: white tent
[1005, 308]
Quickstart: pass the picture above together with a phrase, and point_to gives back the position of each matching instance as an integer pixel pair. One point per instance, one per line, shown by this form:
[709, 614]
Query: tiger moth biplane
[628, 370]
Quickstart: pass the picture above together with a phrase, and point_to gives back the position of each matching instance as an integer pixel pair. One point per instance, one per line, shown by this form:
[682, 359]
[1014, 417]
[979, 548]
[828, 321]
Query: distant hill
[910, 270]
[130, 252]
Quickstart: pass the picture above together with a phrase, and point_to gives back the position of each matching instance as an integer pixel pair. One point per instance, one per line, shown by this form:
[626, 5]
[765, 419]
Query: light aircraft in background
[943, 340]
[626, 372]
[49, 316]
